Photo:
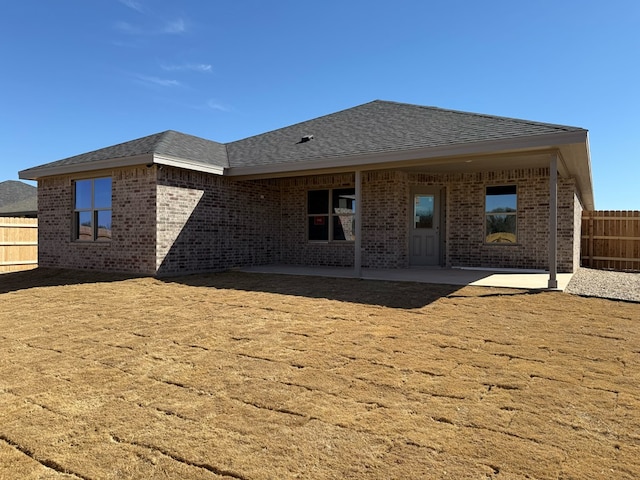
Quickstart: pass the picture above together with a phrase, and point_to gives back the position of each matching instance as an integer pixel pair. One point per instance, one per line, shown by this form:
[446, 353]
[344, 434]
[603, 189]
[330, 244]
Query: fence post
[590, 233]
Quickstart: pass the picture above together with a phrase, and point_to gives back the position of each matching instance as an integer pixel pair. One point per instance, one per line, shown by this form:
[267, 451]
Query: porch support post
[357, 261]
[553, 221]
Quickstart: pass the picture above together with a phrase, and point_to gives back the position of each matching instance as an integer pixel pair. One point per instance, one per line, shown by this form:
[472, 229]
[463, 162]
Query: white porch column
[357, 261]
[553, 221]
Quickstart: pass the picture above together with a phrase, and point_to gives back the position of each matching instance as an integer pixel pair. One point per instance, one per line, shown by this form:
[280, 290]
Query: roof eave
[422, 155]
[189, 164]
[18, 213]
[576, 159]
[54, 170]
[146, 159]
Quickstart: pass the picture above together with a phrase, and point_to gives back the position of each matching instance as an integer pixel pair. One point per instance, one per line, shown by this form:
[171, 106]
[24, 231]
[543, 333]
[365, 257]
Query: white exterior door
[424, 228]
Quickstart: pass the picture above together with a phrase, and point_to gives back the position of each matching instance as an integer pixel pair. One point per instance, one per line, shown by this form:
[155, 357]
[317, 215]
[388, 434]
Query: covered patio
[504, 278]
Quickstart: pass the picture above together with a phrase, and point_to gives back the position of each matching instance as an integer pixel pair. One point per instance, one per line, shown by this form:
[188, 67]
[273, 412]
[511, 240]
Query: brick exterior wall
[296, 249]
[385, 219]
[132, 248]
[169, 221]
[208, 222]
[465, 211]
[577, 232]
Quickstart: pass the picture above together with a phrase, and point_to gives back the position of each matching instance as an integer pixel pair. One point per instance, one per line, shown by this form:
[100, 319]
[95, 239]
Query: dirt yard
[249, 376]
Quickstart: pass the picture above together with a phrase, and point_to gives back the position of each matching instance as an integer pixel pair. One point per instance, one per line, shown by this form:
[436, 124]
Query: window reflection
[501, 214]
[83, 194]
[331, 214]
[423, 211]
[92, 216]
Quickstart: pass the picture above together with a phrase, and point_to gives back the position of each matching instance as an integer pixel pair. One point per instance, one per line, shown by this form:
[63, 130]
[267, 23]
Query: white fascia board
[39, 172]
[147, 159]
[577, 160]
[460, 150]
[190, 165]
[590, 198]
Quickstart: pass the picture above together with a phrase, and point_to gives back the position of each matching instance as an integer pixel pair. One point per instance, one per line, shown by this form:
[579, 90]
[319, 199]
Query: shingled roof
[379, 127]
[374, 128]
[169, 143]
[18, 198]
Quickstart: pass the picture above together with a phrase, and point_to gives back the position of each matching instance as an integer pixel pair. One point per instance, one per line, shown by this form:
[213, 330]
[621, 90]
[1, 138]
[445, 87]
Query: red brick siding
[385, 219]
[183, 221]
[296, 248]
[208, 222]
[132, 248]
[466, 246]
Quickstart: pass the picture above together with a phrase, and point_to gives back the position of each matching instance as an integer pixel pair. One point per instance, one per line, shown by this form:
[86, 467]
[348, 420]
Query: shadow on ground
[404, 295]
[52, 277]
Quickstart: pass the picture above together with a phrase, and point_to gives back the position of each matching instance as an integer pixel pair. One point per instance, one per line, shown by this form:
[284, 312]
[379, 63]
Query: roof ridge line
[484, 115]
[506, 118]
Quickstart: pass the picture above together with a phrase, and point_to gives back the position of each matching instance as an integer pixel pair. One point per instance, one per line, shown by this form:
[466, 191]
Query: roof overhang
[138, 160]
[189, 164]
[519, 152]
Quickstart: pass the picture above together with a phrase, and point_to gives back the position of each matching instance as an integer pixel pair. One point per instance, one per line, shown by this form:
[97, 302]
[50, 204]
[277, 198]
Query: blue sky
[78, 75]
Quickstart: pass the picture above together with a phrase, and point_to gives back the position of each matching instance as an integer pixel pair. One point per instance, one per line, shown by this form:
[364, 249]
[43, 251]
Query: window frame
[94, 212]
[330, 216]
[513, 214]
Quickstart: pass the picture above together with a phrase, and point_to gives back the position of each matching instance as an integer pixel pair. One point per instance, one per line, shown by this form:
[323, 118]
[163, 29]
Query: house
[18, 199]
[380, 185]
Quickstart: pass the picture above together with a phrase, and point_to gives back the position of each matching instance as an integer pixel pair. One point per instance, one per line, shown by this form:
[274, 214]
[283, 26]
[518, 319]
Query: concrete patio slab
[523, 279]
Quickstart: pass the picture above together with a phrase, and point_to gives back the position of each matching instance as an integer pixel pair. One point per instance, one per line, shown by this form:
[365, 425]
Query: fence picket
[611, 240]
[18, 244]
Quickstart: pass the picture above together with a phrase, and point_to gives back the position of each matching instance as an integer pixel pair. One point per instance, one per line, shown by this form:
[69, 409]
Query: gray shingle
[379, 127]
[27, 206]
[17, 198]
[171, 143]
[375, 127]
[12, 191]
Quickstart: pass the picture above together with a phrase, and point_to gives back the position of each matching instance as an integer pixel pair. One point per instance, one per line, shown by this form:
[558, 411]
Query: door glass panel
[423, 211]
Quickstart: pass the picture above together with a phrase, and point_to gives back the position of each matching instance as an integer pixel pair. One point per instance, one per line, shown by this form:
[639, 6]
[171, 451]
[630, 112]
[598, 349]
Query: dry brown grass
[265, 377]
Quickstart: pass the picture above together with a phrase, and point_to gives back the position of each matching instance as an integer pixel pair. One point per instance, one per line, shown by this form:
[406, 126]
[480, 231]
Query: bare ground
[248, 376]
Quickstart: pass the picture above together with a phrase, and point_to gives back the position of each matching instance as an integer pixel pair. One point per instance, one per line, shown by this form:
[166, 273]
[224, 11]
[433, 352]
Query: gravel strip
[605, 284]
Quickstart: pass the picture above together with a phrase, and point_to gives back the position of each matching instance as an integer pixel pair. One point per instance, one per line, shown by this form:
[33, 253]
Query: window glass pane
[102, 193]
[318, 201]
[344, 200]
[344, 227]
[104, 225]
[423, 211]
[84, 220]
[83, 194]
[501, 199]
[501, 228]
[319, 227]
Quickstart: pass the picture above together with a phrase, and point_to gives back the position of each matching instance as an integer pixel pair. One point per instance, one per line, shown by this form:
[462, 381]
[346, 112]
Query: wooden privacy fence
[611, 240]
[18, 244]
